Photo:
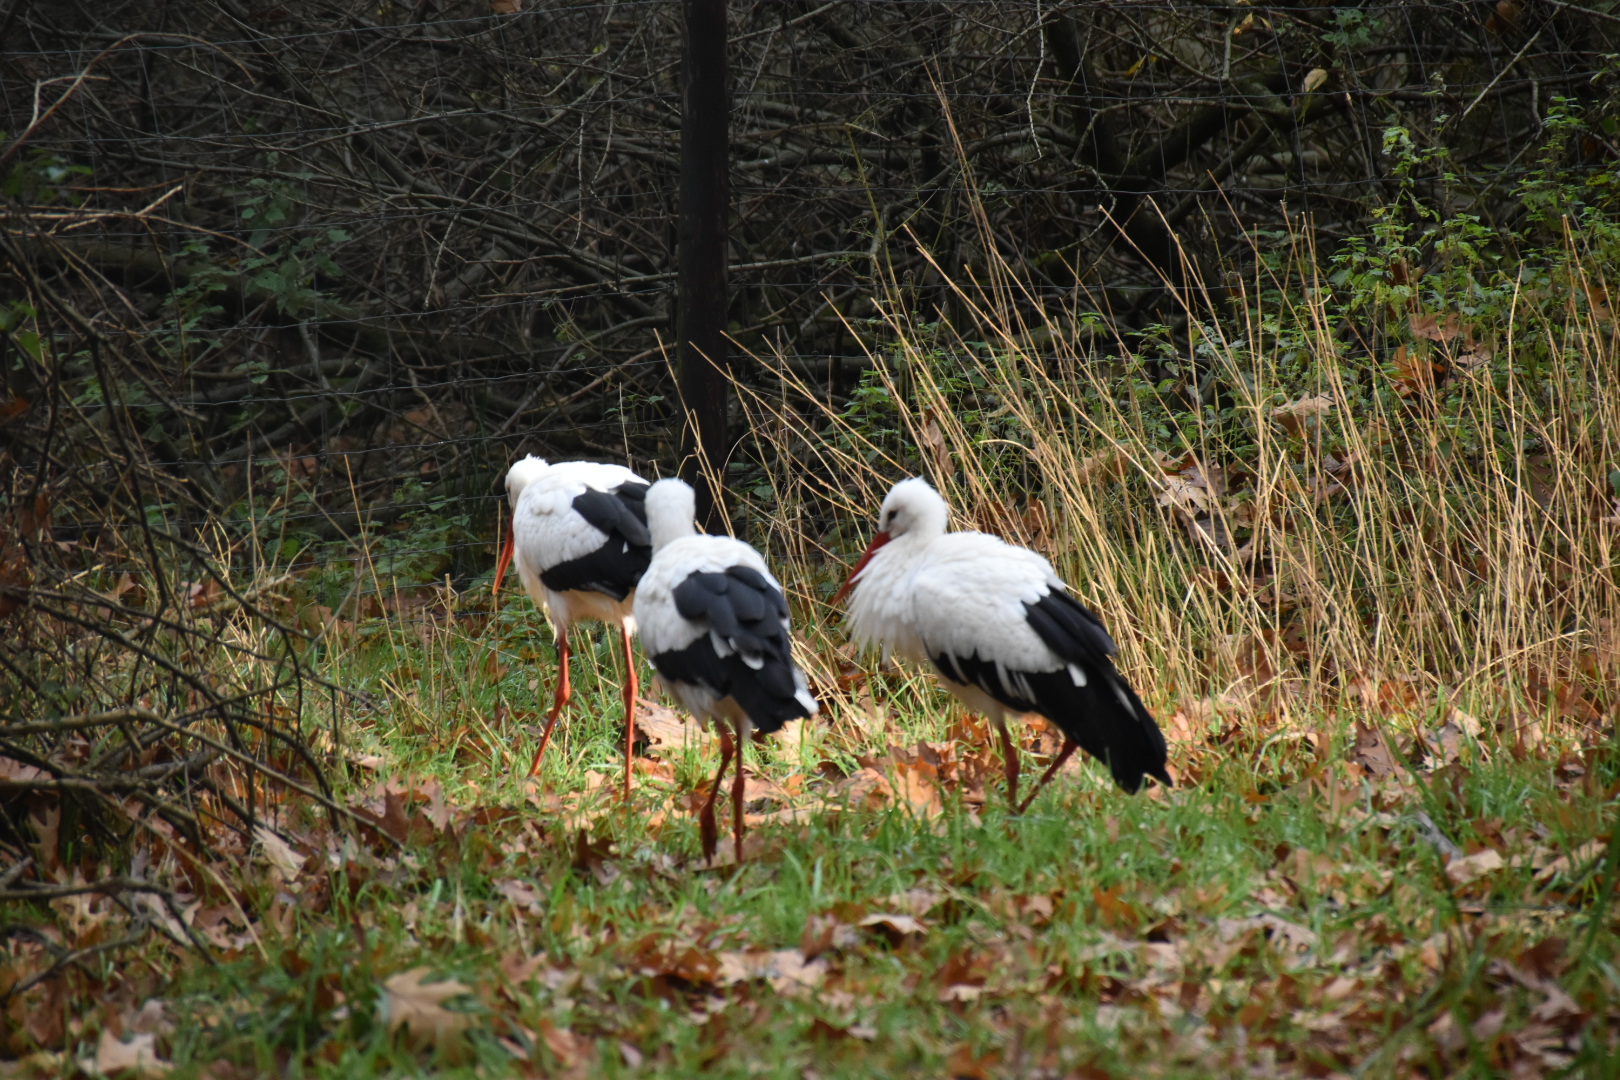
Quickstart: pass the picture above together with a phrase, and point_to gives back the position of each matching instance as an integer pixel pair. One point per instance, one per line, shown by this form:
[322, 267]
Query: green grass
[1252, 917]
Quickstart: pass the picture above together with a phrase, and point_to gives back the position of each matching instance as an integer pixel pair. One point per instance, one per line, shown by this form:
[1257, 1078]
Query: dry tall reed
[1437, 514]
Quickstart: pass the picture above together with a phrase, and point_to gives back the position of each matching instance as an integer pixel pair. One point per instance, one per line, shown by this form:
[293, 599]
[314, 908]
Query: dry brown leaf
[917, 785]
[137, 1057]
[867, 789]
[567, 1047]
[1471, 867]
[1302, 417]
[280, 854]
[1109, 464]
[521, 894]
[1505, 17]
[1186, 493]
[1449, 740]
[1558, 1005]
[786, 969]
[964, 1064]
[518, 969]
[893, 926]
[1432, 327]
[1372, 752]
[47, 826]
[1314, 79]
[1447, 1034]
[918, 902]
[667, 731]
[1180, 728]
[409, 1002]
[1293, 941]
[1565, 865]
[932, 438]
[829, 930]
[1414, 374]
[792, 740]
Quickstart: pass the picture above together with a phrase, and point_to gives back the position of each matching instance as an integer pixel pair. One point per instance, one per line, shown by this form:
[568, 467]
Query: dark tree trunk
[701, 352]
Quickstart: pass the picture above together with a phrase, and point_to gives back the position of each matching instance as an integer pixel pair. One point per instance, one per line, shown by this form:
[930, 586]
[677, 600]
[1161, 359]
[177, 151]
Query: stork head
[671, 511]
[912, 509]
[519, 476]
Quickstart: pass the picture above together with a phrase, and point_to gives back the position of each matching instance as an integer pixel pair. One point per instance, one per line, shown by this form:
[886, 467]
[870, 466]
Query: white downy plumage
[579, 538]
[1003, 633]
[714, 623]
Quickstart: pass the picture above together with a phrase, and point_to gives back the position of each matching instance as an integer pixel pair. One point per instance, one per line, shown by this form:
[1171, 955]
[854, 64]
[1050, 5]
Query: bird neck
[666, 530]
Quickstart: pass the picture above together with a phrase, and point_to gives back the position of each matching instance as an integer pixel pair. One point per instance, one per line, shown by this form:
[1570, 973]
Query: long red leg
[564, 692]
[706, 826]
[1009, 758]
[1069, 747]
[737, 789]
[631, 688]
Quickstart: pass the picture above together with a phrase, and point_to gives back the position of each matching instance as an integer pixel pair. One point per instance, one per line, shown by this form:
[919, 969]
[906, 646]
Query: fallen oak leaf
[786, 970]
[829, 930]
[279, 853]
[666, 730]
[964, 1064]
[1109, 464]
[136, 1057]
[825, 1031]
[918, 902]
[410, 1002]
[1431, 327]
[1471, 867]
[1302, 416]
[1414, 374]
[895, 927]
[567, 1047]
[1566, 865]
[1372, 752]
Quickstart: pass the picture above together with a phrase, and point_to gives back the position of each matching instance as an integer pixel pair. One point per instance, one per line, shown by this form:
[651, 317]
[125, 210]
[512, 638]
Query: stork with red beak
[1002, 632]
[579, 538]
[714, 623]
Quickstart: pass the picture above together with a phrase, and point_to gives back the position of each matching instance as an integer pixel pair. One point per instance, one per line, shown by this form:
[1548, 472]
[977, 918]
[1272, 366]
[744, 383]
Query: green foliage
[286, 259]
[41, 178]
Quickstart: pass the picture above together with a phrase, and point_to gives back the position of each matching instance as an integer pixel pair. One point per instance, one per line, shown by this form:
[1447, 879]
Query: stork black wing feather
[1069, 628]
[1098, 709]
[615, 568]
[622, 511]
[739, 607]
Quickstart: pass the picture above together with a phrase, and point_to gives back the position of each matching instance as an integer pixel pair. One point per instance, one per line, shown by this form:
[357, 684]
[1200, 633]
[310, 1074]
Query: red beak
[871, 549]
[501, 564]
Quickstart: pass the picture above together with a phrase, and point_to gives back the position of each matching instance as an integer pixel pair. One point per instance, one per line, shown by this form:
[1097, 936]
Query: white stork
[714, 624]
[579, 537]
[1003, 633]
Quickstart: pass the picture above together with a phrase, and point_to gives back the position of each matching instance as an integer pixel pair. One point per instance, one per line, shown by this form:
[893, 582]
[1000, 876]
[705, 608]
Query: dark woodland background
[371, 252]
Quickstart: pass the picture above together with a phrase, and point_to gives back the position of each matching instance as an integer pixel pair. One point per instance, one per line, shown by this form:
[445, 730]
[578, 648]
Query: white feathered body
[664, 630]
[549, 532]
[961, 594]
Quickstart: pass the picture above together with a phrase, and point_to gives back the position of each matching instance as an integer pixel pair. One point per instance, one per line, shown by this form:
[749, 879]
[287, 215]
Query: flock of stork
[596, 541]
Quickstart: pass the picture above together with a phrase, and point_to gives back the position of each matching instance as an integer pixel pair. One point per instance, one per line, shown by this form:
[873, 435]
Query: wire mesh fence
[335, 266]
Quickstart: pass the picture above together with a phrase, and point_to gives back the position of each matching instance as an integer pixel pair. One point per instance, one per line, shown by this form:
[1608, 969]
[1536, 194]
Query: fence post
[701, 359]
